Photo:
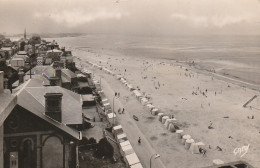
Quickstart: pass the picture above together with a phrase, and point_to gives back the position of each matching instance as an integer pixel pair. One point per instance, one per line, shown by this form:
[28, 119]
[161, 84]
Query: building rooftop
[7, 103]
[31, 97]
[71, 104]
[69, 73]
[49, 71]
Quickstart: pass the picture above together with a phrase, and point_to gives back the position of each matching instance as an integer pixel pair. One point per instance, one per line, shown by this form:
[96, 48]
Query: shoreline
[146, 72]
[198, 68]
[184, 117]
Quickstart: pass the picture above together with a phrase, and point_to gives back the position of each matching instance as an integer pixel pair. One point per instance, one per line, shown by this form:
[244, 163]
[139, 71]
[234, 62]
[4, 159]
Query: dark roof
[38, 69]
[39, 80]
[49, 71]
[7, 103]
[31, 97]
[68, 73]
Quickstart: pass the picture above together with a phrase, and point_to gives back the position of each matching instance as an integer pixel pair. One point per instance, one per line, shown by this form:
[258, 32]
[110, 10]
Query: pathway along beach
[197, 100]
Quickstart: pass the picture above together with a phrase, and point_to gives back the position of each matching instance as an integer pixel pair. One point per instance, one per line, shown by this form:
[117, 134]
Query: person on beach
[123, 110]
[203, 151]
[139, 140]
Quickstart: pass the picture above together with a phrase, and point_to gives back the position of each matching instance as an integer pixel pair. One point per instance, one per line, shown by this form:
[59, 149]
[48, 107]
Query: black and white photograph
[129, 83]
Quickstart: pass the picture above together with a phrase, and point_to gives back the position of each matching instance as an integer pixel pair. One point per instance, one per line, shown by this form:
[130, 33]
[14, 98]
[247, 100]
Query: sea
[236, 56]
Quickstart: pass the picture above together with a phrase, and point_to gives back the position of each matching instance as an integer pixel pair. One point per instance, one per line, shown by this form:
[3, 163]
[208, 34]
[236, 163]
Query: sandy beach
[196, 98]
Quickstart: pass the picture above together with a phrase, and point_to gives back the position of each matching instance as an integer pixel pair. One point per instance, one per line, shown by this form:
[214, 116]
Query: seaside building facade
[41, 128]
[7, 104]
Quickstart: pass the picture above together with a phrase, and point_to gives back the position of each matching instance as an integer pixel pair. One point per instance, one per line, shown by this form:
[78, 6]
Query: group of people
[121, 112]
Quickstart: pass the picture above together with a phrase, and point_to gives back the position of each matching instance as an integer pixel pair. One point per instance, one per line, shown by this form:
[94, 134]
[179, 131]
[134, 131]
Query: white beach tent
[171, 127]
[138, 165]
[131, 159]
[117, 130]
[160, 116]
[164, 119]
[118, 77]
[105, 69]
[180, 133]
[155, 111]
[144, 101]
[126, 150]
[194, 147]
[184, 138]
[123, 81]
[168, 121]
[137, 94]
[121, 137]
[150, 106]
[188, 143]
[130, 87]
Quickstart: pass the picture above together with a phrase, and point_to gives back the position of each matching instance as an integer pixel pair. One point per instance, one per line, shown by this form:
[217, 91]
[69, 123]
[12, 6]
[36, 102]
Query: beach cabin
[117, 130]
[194, 147]
[144, 101]
[126, 150]
[104, 101]
[122, 80]
[138, 165]
[137, 94]
[107, 106]
[164, 118]
[111, 117]
[121, 137]
[118, 77]
[160, 116]
[155, 111]
[131, 160]
[149, 107]
[125, 143]
[169, 121]
[130, 87]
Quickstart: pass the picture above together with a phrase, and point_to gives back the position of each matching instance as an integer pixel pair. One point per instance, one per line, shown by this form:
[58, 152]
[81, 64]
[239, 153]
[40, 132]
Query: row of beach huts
[169, 121]
[126, 150]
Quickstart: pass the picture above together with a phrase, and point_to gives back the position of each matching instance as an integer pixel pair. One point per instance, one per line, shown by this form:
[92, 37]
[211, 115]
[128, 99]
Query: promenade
[144, 150]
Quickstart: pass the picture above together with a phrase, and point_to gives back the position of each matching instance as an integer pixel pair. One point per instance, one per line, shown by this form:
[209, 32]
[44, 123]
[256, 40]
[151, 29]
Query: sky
[168, 17]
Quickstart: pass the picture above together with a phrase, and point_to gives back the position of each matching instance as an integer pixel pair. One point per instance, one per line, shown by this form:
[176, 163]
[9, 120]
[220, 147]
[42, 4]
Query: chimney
[55, 64]
[21, 76]
[58, 73]
[56, 79]
[53, 103]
